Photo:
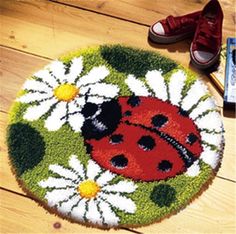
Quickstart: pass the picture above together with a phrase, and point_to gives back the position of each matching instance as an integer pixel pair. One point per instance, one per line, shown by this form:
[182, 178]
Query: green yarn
[126, 60]
[27, 148]
[163, 195]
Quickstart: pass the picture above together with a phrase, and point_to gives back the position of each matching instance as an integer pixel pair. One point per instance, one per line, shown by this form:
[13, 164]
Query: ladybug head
[100, 119]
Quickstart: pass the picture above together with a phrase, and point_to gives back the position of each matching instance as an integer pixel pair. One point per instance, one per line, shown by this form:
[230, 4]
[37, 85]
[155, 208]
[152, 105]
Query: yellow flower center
[88, 189]
[66, 92]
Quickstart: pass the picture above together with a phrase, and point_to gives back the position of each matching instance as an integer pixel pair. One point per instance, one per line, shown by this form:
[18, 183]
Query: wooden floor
[35, 31]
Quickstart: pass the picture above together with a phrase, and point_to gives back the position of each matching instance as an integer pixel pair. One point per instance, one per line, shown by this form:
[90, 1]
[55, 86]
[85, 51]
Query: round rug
[114, 136]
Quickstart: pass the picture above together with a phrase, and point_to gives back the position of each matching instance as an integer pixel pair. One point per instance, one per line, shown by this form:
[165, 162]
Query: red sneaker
[206, 46]
[173, 29]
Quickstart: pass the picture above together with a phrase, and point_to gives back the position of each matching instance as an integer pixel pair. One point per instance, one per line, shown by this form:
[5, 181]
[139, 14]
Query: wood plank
[49, 29]
[213, 212]
[15, 68]
[227, 169]
[26, 216]
[7, 178]
[153, 10]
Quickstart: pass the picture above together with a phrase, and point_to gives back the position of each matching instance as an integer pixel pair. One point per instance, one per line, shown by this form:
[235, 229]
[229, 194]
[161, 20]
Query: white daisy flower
[202, 111]
[60, 91]
[87, 193]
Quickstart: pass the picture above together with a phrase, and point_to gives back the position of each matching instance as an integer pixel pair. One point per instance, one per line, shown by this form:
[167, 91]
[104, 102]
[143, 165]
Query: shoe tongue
[210, 19]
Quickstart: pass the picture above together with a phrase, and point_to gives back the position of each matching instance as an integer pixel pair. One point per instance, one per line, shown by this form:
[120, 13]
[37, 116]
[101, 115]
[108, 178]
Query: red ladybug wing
[167, 118]
[139, 154]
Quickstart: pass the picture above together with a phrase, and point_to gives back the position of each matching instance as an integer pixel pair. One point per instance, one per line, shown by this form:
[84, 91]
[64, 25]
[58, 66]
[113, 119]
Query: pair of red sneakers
[205, 25]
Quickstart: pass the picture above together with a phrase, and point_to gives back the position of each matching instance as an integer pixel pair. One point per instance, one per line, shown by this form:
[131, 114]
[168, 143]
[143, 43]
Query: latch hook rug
[114, 136]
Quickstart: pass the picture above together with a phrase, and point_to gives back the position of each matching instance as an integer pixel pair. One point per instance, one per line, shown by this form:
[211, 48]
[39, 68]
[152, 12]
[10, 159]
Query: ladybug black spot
[134, 101]
[146, 143]
[159, 120]
[163, 195]
[116, 139]
[183, 112]
[191, 138]
[165, 166]
[89, 109]
[119, 161]
[128, 113]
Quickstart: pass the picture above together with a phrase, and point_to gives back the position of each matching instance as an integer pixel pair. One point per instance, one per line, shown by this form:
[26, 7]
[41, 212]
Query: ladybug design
[143, 138]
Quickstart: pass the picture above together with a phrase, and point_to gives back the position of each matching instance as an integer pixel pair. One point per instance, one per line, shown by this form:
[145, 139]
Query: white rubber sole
[199, 65]
[167, 40]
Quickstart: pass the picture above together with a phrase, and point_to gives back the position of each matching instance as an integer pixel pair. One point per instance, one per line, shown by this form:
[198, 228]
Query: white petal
[77, 166]
[73, 107]
[213, 139]
[57, 195]
[66, 206]
[136, 86]
[95, 75]
[32, 97]
[105, 90]
[176, 85]
[96, 100]
[93, 215]
[105, 177]
[75, 69]
[83, 90]
[157, 83]
[196, 91]
[122, 187]
[211, 121]
[194, 169]
[47, 78]
[79, 211]
[76, 122]
[58, 70]
[210, 157]
[55, 121]
[55, 183]
[80, 102]
[35, 112]
[36, 85]
[108, 215]
[64, 172]
[92, 169]
[203, 106]
[120, 202]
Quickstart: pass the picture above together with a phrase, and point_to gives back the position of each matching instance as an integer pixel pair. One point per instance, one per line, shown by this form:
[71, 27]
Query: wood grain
[26, 216]
[7, 178]
[210, 213]
[147, 12]
[41, 28]
[227, 169]
[15, 68]
[213, 212]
